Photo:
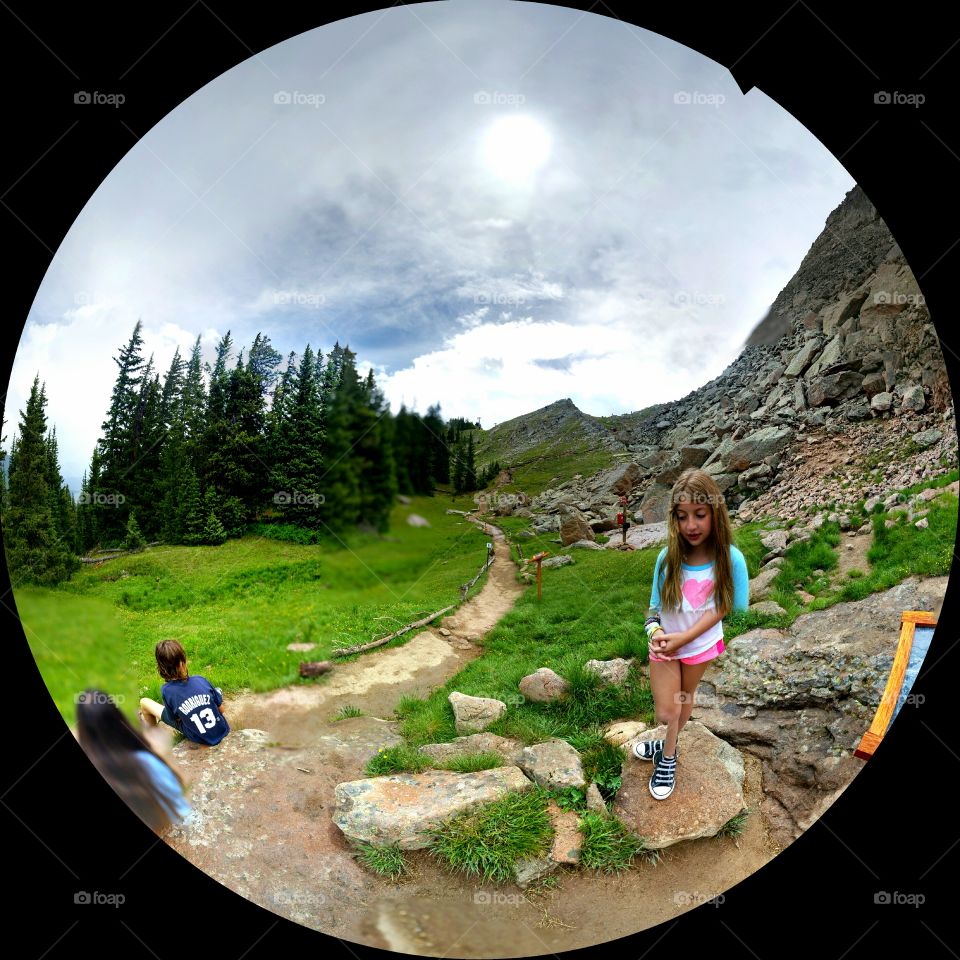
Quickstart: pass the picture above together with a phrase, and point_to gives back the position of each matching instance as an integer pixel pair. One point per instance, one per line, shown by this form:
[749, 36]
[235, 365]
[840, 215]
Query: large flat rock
[398, 808]
[708, 791]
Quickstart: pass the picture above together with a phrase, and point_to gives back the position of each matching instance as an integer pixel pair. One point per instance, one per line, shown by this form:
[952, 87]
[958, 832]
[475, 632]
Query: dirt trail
[264, 799]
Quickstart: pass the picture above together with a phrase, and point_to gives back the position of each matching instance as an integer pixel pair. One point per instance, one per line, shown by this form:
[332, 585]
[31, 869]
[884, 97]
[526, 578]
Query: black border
[822, 62]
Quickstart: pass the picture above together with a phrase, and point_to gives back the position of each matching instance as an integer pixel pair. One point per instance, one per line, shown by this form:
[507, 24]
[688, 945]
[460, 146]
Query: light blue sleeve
[168, 786]
[741, 579]
[655, 592]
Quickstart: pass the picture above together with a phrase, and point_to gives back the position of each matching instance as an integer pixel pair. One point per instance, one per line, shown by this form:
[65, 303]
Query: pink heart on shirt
[697, 592]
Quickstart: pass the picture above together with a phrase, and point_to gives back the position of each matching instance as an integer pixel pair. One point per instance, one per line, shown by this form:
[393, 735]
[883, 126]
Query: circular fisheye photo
[477, 484]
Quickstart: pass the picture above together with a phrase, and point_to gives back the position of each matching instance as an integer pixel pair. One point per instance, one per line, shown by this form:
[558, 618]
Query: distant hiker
[699, 577]
[190, 705]
[141, 778]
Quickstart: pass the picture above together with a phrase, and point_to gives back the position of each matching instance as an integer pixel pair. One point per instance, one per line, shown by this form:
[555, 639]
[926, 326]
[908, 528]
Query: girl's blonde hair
[695, 486]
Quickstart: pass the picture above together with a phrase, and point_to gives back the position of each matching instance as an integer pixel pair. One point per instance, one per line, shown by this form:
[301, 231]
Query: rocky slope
[840, 394]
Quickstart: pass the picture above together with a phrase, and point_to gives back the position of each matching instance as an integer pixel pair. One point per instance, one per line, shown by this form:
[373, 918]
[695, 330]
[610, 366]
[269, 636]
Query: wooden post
[538, 559]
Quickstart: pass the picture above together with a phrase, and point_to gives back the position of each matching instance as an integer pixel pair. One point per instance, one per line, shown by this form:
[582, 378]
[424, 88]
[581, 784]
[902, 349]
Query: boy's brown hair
[171, 660]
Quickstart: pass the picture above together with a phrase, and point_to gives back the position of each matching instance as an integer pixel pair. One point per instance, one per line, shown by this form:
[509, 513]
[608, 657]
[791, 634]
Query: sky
[495, 204]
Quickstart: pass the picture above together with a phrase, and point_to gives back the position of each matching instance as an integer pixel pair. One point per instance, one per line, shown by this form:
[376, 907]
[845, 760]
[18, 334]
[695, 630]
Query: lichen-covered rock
[509, 749]
[400, 807]
[613, 671]
[708, 791]
[553, 764]
[473, 714]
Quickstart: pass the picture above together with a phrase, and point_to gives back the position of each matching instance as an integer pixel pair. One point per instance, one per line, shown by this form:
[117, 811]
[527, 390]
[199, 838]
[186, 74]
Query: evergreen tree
[437, 445]
[134, 539]
[297, 471]
[459, 469]
[119, 444]
[374, 449]
[469, 466]
[34, 550]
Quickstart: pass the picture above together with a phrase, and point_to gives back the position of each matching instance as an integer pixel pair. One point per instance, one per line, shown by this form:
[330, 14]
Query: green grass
[608, 846]
[237, 606]
[472, 762]
[903, 551]
[388, 860]
[488, 841]
[734, 826]
[398, 759]
[79, 642]
[348, 711]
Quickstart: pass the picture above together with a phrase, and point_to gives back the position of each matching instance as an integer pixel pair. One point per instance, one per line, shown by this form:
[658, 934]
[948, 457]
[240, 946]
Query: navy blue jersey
[195, 705]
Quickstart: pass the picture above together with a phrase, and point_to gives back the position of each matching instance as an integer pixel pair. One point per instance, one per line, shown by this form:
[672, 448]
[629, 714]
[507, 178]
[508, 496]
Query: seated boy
[190, 704]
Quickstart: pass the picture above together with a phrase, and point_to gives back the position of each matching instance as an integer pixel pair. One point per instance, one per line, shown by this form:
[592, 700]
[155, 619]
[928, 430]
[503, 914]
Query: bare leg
[151, 711]
[665, 687]
[690, 674]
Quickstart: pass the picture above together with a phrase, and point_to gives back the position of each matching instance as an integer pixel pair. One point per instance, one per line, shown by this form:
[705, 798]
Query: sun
[516, 146]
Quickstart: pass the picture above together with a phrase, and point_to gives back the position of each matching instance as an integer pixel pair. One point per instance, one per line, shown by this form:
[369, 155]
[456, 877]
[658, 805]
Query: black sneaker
[645, 749]
[664, 776]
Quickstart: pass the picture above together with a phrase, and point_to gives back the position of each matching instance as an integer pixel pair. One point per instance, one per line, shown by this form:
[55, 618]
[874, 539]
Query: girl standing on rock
[699, 577]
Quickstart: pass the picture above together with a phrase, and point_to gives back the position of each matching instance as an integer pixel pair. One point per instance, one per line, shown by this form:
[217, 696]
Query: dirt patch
[264, 799]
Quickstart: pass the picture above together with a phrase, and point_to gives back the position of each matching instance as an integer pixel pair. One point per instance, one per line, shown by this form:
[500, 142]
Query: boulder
[800, 699]
[762, 584]
[553, 764]
[544, 686]
[473, 714]
[509, 749]
[754, 447]
[561, 561]
[708, 792]
[833, 388]
[400, 807]
[574, 527]
[611, 671]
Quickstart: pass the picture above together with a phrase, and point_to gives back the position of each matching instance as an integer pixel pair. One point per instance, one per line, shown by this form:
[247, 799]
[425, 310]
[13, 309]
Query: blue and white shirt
[195, 705]
[697, 587]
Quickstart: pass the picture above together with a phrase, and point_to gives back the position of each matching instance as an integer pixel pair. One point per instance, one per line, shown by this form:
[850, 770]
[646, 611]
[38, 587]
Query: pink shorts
[714, 651]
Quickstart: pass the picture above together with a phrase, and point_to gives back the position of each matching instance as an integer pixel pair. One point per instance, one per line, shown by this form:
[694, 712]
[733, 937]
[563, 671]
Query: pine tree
[119, 442]
[297, 469]
[374, 448]
[134, 540]
[459, 469]
[437, 445]
[469, 466]
[34, 550]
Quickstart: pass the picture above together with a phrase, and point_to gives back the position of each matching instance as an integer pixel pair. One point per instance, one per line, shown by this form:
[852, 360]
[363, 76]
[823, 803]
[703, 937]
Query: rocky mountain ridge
[858, 368]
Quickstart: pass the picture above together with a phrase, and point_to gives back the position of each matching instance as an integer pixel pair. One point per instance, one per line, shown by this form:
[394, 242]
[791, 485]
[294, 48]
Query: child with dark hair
[191, 704]
[141, 778]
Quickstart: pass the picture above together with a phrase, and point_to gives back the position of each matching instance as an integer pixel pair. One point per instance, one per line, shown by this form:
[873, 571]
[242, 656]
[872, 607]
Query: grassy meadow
[235, 607]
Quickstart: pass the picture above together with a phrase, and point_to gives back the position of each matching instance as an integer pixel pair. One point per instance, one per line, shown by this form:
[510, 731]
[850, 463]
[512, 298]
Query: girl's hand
[665, 643]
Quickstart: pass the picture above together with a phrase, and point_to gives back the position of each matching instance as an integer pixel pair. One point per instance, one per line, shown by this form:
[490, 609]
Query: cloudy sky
[495, 204]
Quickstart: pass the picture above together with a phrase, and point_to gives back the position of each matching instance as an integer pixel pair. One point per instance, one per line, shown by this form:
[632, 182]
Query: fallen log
[344, 651]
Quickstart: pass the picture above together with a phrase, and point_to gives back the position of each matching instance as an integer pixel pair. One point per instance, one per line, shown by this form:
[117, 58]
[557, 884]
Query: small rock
[544, 686]
[595, 799]
[922, 524]
[474, 714]
[621, 731]
[767, 607]
[611, 671]
[553, 764]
